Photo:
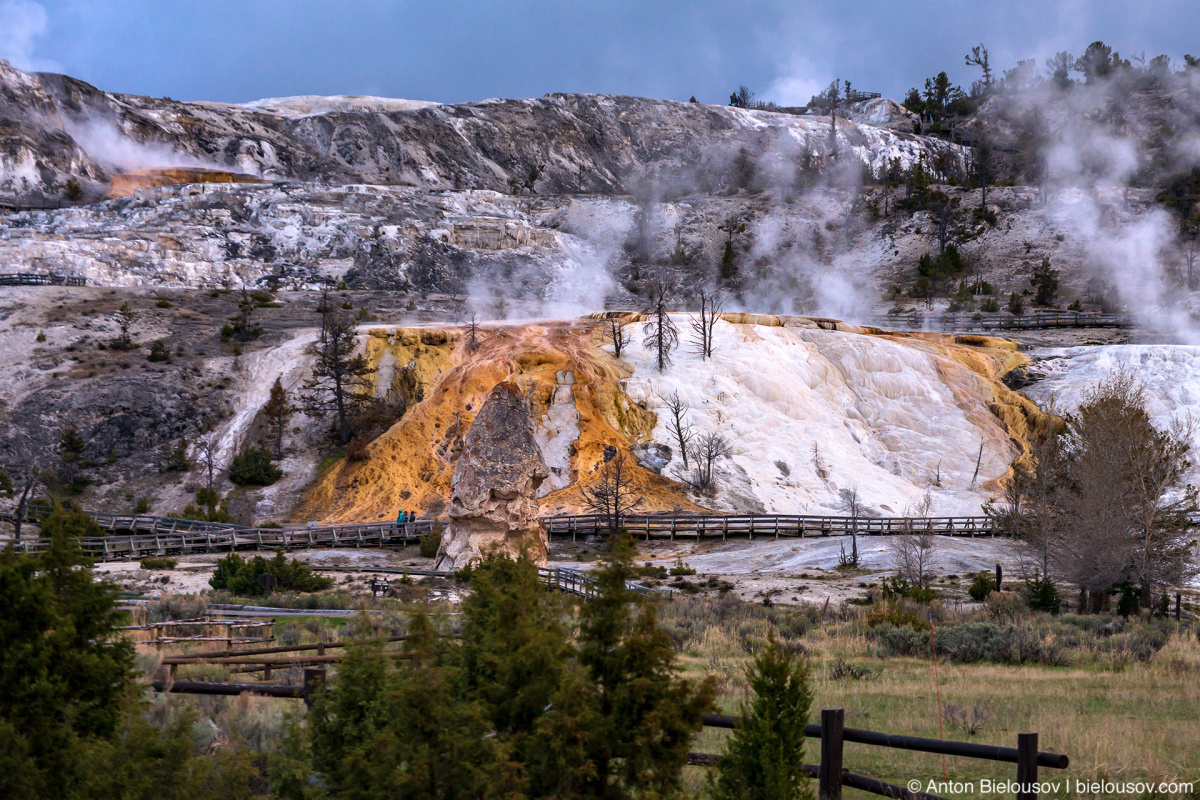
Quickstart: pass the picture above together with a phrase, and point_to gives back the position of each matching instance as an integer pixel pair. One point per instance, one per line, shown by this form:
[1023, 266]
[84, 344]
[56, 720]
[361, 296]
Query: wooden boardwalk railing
[144, 535]
[40, 279]
[768, 525]
[1004, 322]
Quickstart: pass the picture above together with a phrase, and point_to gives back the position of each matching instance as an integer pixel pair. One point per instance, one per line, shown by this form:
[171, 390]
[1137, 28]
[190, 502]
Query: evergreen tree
[340, 382]
[63, 678]
[278, 410]
[764, 757]
[1045, 283]
[645, 715]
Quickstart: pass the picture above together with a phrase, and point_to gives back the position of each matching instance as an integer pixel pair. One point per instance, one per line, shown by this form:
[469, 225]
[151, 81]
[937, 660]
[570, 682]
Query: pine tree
[63, 677]
[764, 757]
[278, 410]
[340, 382]
[647, 714]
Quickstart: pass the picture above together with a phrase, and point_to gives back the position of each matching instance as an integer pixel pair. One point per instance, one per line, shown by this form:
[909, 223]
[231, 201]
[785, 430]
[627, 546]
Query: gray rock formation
[493, 502]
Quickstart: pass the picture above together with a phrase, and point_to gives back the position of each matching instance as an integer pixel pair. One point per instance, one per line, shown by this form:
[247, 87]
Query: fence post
[829, 775]
[314, 681]
[1178, 605]
[1027, 755]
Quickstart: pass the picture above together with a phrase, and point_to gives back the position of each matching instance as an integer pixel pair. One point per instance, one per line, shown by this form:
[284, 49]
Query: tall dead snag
[706, 452]
[473, 335]
[616, 334]
[661, 335]
[677, 425]
[341, 380]
[703, 323]
[29, 460]
[613, 496]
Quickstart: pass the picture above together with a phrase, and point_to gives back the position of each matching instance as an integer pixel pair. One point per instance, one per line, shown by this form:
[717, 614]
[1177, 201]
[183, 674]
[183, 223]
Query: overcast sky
[460, 50]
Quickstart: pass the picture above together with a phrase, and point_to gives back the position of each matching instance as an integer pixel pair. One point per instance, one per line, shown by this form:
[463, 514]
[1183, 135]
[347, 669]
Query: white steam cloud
[108, 145]
[22, 24]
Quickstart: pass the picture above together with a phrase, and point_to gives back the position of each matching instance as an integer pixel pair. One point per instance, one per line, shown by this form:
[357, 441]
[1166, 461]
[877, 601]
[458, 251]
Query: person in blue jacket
[402, 517]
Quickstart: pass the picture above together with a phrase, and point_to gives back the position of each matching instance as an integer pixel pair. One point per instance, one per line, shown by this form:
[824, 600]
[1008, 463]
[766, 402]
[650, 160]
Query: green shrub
[239, 576]
[428, 545]
[899, 586]
[1043, 595]
[897, 615]
[1140, 642]
[142, 505]
[971, 642]
[253, 467]
[159, 351]
[164, 303]
[991, 305]
[982, 585]
[158, 562]
[680, 568]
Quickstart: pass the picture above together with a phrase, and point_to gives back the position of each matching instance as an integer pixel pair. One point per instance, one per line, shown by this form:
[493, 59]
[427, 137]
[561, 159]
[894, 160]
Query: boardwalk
[142, 535]
[39, 279]
[1036, 320]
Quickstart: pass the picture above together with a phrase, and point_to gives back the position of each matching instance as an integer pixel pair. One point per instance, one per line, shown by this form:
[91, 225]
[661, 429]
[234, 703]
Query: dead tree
[704, 322]
[707, 450]
[616, 334]
[914, 551]
[613, 496]
[473, 336]
[661, 335]
[853, 507]
[207, 448]
[677, 425]
[29, 462]
[125, 317]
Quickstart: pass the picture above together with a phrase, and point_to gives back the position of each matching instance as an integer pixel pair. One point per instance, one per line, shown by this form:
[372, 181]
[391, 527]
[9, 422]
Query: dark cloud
[455, 50]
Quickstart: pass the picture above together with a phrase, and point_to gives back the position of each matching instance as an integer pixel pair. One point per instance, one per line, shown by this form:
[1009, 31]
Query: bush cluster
[240, 576]
[254, 467]
[982, 585]
[970, 643]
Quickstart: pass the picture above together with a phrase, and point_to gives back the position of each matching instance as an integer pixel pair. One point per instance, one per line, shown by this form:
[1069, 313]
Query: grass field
[1117, 718]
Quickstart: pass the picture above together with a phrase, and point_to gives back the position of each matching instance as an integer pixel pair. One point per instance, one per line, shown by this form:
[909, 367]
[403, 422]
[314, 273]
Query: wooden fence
[40, 279]
[831, 774]
[572, 581]
[768, 525]
[1004, 322]
[147, 535]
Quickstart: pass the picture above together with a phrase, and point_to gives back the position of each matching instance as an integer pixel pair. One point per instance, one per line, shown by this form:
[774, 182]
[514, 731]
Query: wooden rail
[832, 776]
[1005, 322]
[774, 526]
[40, 279]
[572, 581]
[149, 535]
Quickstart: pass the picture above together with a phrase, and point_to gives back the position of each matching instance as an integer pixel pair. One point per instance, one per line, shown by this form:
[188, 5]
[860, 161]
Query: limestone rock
[493, 501]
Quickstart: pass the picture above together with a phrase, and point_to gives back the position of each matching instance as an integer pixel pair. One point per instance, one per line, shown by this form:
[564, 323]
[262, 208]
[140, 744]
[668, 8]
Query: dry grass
[1117, 718]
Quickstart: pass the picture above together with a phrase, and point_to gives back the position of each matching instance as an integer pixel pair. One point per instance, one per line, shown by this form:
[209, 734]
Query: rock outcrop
[493, 502]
